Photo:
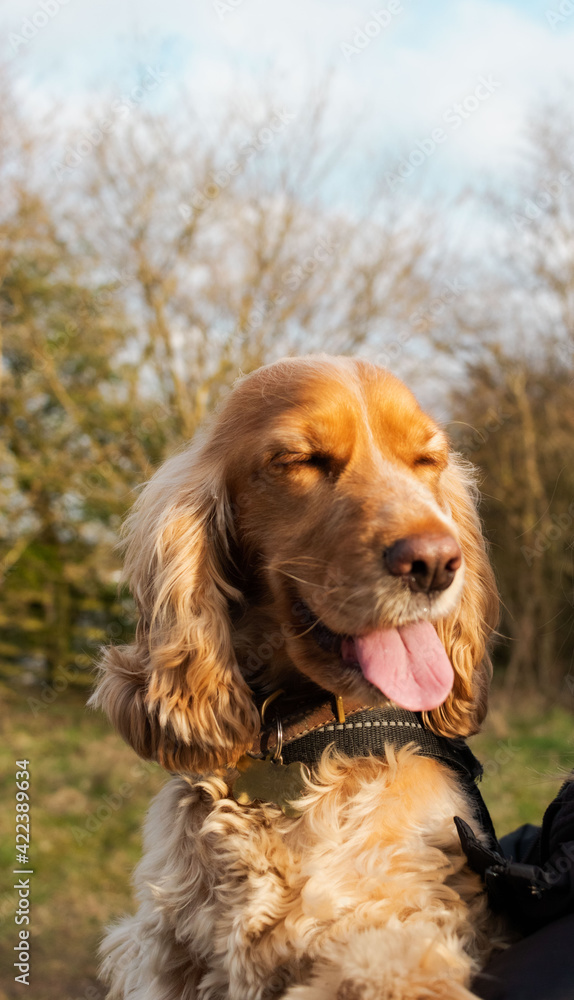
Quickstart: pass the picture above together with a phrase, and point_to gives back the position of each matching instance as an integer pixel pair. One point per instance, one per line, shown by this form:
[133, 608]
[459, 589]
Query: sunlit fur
[365, 895]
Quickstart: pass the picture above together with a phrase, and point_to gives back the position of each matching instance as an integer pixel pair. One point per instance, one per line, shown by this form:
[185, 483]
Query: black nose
[428, 562]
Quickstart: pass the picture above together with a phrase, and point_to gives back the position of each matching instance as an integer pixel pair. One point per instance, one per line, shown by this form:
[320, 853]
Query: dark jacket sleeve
[530, 873]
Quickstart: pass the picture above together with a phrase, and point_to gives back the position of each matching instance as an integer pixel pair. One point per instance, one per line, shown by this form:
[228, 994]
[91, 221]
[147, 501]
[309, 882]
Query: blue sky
[406, 78]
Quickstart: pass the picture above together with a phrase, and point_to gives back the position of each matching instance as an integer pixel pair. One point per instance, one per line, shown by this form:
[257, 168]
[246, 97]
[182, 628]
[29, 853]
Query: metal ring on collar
[270, 698]
[277, 752]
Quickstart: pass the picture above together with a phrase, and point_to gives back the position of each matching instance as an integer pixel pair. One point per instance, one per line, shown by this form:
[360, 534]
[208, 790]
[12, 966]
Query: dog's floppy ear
[176, 694]
[465, 633]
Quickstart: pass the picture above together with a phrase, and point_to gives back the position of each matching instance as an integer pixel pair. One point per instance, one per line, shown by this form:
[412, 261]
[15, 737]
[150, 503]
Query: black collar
[368, 730]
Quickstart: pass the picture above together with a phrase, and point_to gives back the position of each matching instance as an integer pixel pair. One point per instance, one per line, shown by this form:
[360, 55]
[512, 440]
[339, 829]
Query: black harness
[516, 884]
[370, 730]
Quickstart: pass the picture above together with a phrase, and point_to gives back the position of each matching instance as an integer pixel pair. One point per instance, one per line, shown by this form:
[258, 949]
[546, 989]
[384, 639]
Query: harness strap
[367, 731]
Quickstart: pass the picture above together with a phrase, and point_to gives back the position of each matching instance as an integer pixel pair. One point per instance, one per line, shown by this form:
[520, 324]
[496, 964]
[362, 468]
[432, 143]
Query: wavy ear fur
[176, 694]
[465, 633]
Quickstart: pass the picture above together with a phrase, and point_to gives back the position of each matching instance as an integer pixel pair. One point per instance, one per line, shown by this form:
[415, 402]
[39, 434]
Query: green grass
[83, 862]
[526, 753]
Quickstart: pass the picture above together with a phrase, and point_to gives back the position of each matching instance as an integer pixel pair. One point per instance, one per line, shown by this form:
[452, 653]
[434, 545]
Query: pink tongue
[408, 664]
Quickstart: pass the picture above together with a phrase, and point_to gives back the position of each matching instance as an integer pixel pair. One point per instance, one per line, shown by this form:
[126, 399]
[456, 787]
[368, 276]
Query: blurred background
[190, 191]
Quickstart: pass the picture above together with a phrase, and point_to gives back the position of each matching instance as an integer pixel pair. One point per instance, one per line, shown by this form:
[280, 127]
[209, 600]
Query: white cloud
[407, 77]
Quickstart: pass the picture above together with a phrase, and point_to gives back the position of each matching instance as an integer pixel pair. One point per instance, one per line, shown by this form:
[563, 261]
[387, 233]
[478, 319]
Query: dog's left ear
[466, 632]
[177, 694]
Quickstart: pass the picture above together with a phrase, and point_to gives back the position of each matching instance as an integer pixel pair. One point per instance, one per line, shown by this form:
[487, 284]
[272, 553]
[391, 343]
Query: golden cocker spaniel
[311, 581]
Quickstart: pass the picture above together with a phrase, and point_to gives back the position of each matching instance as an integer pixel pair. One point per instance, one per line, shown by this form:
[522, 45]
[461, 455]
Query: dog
[315, 606]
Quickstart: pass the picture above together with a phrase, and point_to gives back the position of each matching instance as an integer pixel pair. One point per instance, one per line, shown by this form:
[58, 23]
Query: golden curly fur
[310, 470]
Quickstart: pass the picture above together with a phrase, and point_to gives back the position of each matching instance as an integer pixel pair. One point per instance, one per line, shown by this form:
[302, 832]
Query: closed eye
[289, 458]
[325, 464]
[428, 460]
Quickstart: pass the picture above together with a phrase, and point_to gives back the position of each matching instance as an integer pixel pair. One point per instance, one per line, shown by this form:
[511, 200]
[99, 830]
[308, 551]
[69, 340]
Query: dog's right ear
[466, 632]
[176, 694]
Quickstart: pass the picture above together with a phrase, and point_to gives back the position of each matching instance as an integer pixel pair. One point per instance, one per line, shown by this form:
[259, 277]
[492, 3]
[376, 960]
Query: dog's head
[321, 528]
